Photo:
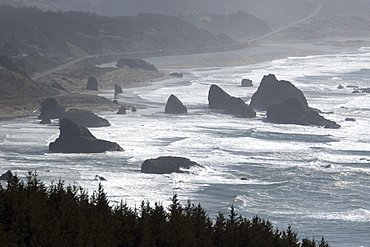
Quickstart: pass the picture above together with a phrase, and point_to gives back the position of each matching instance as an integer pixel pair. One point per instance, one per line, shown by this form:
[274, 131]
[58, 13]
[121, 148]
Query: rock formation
[75, 138]
[219, 99]
[295, 110]
[272, 91]
[85, 118]
[247, 83]
[122, 110]
[237, 106]
[117, 90]
[166, 164]
[92, 84]
[175, 106]
[135, 63]
[50, 109]
[176, 74]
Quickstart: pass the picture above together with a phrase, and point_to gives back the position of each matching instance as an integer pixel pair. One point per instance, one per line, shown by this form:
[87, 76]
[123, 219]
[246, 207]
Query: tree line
[33, 214]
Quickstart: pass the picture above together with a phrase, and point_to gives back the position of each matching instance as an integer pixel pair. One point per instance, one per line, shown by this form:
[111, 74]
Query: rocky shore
[74, 79]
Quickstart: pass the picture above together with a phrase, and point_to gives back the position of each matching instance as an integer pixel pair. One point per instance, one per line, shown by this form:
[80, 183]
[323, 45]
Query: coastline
[251, 55]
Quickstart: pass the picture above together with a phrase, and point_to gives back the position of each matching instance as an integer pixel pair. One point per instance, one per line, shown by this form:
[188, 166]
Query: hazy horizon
[268, 10]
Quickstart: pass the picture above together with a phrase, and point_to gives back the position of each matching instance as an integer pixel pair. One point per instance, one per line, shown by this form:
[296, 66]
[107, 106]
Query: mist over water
[316, 180]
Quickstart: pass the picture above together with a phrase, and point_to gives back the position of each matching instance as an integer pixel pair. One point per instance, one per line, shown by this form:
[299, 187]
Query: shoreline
[253, 55]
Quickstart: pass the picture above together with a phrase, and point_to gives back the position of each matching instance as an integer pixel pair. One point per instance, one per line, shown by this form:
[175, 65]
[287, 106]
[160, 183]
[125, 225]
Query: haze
[273, 11]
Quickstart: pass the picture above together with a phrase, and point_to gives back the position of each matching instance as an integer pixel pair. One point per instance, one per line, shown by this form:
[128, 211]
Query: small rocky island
[167, 164]
[75, 138]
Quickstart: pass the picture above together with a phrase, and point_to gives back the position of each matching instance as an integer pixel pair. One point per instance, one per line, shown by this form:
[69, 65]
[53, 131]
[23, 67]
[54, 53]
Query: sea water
[314, 179]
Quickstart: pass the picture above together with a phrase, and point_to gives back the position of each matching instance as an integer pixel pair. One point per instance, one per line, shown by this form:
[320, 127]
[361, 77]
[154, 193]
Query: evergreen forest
[33, 214]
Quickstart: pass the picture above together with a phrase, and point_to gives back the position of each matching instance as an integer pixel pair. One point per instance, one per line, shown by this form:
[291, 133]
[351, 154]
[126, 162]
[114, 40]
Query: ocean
[314, 179]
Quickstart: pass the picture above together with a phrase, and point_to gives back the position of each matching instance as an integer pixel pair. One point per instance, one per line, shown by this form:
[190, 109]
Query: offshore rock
[75, 138]
[167, 164]
[85, 118]
[237, 106]
[117, 89]
[122, 110]
[219, 99]
[247, 83]
[50, 109]
[175, 106]
[295, 110]
[272, 91]
[92, 84]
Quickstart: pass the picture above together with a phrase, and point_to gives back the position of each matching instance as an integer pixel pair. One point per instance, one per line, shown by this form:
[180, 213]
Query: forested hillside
[33, 214]
[40, 39]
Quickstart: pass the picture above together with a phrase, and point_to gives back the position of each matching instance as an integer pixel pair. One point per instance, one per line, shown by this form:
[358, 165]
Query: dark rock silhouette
[295, 110]
[166, 164]
[219, 99]
[117, 90]
[349, 119]
[133, 109]
[272, 91]
[178, 75]
[237, 106]
[51, 109]
[6, 176]
[135, 63]
[75, 138]
[122, 110]
[92, 84]
[175, 106]
[247, 83]
[85, 118]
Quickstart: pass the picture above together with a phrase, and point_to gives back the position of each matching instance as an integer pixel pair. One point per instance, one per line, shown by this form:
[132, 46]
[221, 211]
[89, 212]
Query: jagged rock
[247, 83]
[117, 89]
[166, 164]
[6, 176]
[237, 106]
[340, 87]
[75, 138]
[272, 91]
[295, 110]
[135, 63]
[51, 109]
[219, 99]
[133, 109]
[92, 84]
[122, 110]
[175, 106]
[178, 75]
[85, 118]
